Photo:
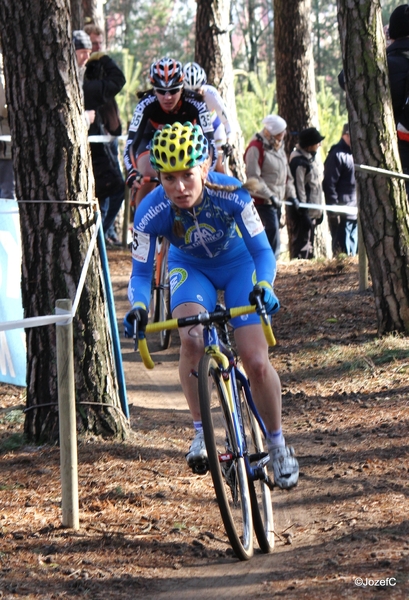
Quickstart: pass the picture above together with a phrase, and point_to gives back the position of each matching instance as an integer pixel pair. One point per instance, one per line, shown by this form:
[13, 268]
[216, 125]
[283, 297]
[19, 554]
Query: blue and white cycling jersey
[221, 231]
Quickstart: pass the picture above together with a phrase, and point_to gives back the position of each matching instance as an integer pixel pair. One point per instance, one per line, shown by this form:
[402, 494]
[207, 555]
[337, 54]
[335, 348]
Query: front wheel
[163, 297]
[260, 493]
[228, 470]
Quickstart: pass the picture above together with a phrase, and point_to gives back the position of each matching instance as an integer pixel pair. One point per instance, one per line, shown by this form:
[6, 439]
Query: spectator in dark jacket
[109, 114]
[307, 174]
[339, 189]
[103, 80]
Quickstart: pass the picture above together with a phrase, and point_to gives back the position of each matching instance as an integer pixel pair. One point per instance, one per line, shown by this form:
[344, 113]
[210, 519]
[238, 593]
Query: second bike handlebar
[203, 318]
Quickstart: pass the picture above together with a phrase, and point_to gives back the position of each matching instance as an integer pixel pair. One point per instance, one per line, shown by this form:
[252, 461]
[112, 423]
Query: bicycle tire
[260, 493]
[152, 309]
[229, 475]
[163, 300]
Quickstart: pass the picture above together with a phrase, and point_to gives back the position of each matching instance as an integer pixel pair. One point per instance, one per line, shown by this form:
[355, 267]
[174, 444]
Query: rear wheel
[260, 493]
[228, 471]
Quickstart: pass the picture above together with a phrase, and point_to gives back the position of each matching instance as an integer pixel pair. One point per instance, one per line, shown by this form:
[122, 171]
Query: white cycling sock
[276, 438]
[198, 426]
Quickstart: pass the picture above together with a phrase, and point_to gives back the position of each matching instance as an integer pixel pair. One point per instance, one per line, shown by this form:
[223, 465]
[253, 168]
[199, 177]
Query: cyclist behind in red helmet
[196, 81]
[166, 103]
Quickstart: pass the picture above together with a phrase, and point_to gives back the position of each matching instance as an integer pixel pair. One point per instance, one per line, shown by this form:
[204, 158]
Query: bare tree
[296, 97]
[294, 65]
[383, 204]
[213, 53]
[83, 11]
[54, 187]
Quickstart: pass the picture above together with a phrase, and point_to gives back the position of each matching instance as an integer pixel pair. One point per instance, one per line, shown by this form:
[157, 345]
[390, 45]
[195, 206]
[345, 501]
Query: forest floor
[151, 529]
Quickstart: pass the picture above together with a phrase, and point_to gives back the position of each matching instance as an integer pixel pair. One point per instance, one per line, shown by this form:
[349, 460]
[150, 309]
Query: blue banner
[12, 342]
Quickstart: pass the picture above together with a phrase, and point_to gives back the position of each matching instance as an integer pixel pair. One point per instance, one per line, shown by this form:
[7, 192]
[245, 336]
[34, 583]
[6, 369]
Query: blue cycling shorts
[195, 281]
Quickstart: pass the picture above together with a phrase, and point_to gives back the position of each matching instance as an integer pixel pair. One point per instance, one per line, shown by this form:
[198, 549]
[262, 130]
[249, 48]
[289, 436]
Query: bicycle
[233, 429]
[159, 305]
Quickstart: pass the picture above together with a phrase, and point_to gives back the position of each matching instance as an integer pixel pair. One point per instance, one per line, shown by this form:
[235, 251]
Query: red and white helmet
[166, 73]
[195, 76]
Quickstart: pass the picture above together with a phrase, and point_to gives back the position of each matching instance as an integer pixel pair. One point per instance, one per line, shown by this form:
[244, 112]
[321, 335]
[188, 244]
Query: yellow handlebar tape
[268, 331]
[173, 324]
[162, 325]
[144, 351]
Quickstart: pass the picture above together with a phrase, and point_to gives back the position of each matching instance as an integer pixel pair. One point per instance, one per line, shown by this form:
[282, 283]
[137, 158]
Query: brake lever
[261, 309]
[135, 334]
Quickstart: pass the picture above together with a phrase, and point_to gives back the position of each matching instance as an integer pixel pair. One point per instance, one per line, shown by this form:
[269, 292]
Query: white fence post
[67, 418]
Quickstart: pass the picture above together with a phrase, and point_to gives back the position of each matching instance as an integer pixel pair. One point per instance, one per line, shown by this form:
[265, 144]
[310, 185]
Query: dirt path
[159, 390]
[151, 530]
[333, 539]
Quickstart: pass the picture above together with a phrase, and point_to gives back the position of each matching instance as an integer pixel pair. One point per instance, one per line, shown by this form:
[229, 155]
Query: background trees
[54, 185]
[213, 53]
[52, 164]
[383, 204]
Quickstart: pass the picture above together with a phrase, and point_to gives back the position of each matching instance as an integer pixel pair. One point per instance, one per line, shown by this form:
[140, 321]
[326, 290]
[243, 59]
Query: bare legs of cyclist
[191, 351]
[266, 391]
[265, 387]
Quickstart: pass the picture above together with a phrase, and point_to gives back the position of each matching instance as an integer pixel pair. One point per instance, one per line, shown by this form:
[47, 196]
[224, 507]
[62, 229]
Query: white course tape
[345, 210]
[376, 171]
[61, 319]
[102, 139]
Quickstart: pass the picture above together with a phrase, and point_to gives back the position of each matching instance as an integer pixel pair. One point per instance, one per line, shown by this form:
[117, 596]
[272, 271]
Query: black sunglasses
[171, 91]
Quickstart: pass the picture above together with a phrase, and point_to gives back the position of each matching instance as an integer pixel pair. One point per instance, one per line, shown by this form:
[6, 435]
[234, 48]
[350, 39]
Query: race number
[206, 122]
[251, 220]
[141, 244]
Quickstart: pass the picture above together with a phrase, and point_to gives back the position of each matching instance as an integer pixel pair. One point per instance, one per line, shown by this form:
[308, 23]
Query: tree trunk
[213, 53]
[94, 12]
[296, 98]
[383, 204]
[77, 14]
[54, 185]
[294, 66]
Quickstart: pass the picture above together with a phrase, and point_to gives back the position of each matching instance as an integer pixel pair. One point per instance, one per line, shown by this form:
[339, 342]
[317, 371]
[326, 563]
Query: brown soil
[150, 529]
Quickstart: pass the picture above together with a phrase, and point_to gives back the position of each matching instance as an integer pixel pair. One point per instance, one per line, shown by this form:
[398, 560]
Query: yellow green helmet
[178, 147]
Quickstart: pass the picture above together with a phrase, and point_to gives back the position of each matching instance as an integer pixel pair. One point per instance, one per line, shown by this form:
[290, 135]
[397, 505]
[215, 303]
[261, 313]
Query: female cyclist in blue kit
[217, 243]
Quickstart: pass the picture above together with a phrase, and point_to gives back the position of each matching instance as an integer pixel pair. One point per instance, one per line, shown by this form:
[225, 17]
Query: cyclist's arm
[143, 254]
[255, 238]
[136, 129]
[205, 122]
[215, 102]
[151, 220]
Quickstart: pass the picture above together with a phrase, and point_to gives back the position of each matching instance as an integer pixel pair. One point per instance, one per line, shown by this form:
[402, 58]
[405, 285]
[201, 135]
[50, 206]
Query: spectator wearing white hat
[266, 160]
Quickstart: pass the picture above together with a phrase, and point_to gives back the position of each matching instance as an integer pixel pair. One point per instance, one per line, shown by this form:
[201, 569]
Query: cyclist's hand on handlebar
[134, 178]
[227, 149]
[265, 291]
[139, 314]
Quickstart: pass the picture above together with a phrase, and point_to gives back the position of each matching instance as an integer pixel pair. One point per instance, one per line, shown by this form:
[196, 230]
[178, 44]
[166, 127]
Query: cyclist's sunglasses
[171, 91]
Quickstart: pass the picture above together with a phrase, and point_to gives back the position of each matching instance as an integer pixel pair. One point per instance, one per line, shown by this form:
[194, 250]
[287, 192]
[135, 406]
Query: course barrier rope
[377, 171]
[61, 319]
